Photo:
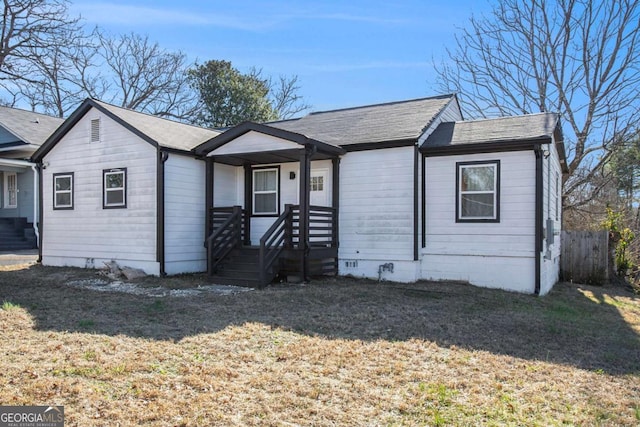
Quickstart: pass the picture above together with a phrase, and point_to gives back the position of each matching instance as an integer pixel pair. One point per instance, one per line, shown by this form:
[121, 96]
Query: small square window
[63, 190]
[478, 191]
[317, 183]
[115, 188]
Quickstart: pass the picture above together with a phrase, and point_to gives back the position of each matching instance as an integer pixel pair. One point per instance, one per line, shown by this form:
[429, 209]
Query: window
[317, 183]
[63, 190]
[95, 130]
[115, 188]
[10, 190]
[478, 191]
[265, 191]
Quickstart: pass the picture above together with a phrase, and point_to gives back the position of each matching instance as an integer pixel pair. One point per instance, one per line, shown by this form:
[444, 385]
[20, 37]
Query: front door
[10, 190]
[319, 194]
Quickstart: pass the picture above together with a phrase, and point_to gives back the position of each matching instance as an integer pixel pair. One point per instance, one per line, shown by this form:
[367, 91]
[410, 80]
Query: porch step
[241, 268]
[13, 235]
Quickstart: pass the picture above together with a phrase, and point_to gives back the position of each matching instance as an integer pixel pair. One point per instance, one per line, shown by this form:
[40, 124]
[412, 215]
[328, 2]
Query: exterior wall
[495, 255]
[184, 216]
[7, 137]
[88, 235]
[552, 210]
[376, 214]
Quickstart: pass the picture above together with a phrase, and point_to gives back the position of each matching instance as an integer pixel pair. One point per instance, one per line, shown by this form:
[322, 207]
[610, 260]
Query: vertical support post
[288, 227]
[305, 173]
[237, 225]
[423, 183]
[248, 203]
[208, 196]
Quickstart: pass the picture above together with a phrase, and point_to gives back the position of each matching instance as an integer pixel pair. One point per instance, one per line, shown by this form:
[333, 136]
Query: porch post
[305, 173]
[208, 195]
[248, 202]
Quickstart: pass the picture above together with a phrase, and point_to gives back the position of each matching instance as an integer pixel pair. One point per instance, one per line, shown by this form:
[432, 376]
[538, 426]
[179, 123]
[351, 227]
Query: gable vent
[95, 130]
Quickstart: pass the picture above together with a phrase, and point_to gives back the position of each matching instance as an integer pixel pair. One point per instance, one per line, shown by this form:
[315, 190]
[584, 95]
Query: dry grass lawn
[333, 352]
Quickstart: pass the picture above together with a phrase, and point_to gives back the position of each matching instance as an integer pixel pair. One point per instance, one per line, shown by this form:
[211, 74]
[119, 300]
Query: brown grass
[334, 352]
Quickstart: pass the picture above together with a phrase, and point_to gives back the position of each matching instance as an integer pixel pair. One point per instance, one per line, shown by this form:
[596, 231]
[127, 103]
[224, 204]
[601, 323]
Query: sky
[345, 53]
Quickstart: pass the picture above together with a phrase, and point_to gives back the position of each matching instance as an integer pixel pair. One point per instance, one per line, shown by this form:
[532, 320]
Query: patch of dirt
[106, 285]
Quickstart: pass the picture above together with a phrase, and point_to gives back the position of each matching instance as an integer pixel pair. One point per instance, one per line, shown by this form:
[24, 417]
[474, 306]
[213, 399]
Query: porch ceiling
[267, 157]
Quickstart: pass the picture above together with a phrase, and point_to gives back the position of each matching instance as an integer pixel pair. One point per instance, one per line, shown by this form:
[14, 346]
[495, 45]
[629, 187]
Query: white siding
[499, 255]
[226, 186]
[254, 142]
[552, 209]
[376, 213]
[184, 215]
[88, 235]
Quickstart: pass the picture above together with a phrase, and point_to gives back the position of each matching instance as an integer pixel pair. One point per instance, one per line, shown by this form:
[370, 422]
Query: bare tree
[576, 57]
[138, 74]
[29, 25]
[285, 99]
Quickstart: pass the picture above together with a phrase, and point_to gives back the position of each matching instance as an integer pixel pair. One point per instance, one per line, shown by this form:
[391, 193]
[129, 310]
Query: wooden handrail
[273, 242]
[224, 239]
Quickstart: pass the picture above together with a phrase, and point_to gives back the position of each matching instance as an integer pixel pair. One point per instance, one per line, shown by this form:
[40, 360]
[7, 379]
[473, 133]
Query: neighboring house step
[15, 234]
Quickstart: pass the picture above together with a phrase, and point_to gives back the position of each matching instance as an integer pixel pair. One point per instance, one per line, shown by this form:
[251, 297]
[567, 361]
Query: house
[122, 185]
[21, 133]
[399, 191]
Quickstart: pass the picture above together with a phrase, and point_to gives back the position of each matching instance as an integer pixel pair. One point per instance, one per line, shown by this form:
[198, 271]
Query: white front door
[10, 190]
[319, 193]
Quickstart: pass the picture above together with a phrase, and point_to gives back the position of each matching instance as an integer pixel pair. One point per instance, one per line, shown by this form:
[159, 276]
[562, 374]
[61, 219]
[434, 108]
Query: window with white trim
[478, 191]
[63, 190]
[10, 190]
[265, 191]
[115, 188]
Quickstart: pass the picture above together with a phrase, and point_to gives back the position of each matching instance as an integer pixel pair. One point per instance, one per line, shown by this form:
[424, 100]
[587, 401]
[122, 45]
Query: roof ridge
[379, 105]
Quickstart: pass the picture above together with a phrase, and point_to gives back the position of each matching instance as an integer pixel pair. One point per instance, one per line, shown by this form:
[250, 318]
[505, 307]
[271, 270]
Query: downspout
[40, 227]
[162, 158]
[538, 216]
[416, 163]
[36, 203]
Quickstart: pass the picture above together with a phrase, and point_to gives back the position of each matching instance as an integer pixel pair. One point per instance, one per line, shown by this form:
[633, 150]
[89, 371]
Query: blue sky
[345, 53]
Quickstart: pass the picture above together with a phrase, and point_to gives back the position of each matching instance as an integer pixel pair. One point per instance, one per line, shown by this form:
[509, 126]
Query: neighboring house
[400, 191]
[122, 185]
[21, 133]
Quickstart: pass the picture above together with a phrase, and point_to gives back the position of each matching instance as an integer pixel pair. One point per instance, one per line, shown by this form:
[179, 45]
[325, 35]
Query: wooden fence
[585, 257]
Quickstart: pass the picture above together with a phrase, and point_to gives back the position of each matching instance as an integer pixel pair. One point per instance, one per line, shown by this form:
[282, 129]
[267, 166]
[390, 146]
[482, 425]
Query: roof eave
[485, 147]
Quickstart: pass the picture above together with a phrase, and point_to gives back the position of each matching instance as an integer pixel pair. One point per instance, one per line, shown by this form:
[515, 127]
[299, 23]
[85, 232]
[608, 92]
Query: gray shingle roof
[517, 128]
[28, 127]
[368, 124]
[167, 133]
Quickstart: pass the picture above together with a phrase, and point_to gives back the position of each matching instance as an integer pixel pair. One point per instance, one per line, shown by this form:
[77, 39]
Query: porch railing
[226, 234]
[274, 241]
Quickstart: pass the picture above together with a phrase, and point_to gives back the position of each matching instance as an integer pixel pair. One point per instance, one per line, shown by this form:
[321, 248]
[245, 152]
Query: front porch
[284, 222]
[281, 252]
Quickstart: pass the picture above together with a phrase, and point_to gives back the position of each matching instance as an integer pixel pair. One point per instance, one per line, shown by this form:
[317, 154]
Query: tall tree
[580, 58]
[138, 74]
[29, 27]
[229, 97]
